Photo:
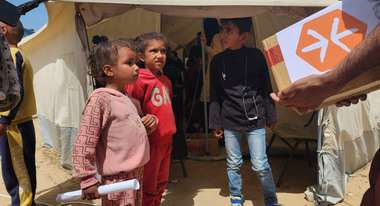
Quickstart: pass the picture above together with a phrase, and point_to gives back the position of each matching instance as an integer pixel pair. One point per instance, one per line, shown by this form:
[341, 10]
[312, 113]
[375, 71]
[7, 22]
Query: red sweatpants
[156, 174]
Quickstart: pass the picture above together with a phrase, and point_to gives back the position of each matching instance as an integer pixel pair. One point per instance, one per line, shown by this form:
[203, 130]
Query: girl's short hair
[142, 41]
[106, 53]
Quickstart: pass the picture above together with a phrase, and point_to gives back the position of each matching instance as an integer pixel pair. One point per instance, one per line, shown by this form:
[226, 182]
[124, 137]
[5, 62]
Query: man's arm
[362, 59]
[308, 93]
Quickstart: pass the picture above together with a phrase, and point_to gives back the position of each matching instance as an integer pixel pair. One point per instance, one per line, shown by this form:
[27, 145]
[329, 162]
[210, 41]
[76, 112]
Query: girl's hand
[90, 193]
[150, 122]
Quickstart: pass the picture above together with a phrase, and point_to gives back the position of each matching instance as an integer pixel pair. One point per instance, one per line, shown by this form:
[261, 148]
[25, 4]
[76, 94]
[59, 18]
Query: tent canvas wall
[59, 61]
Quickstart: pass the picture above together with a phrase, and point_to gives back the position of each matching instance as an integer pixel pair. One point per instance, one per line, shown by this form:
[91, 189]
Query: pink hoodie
[111, 137]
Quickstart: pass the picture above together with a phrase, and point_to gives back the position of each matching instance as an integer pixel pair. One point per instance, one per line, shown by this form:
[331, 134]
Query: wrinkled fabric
[9, 86]
[348, 140]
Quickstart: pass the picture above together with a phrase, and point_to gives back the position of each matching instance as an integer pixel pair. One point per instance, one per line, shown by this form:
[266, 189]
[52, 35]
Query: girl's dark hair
[142, 41]
[106, 53]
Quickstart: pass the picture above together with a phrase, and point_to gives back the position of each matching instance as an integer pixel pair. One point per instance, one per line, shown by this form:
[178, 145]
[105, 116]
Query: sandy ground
[206, 184]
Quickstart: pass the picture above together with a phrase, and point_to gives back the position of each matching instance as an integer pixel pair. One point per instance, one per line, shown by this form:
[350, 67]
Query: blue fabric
[237, 201]
[259, 160]
[48, 132]
[9, 176]
[29, 145]
[29, 149]
[4, 120]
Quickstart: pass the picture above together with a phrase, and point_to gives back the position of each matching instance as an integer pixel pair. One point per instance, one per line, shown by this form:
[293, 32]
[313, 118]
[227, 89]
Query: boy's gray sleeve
[271, 114]
[215, 121]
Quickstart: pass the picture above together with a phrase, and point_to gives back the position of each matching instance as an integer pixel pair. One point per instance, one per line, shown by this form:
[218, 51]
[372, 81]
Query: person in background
[193, 87]
[18, 141]
[174, 69]
[211, 40]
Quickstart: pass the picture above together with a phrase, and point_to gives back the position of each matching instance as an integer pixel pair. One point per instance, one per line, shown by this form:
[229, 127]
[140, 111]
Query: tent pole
[204, 97]
[80, 26]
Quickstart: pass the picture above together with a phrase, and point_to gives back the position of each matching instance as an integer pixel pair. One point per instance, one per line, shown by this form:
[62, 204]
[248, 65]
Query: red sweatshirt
[155, 93]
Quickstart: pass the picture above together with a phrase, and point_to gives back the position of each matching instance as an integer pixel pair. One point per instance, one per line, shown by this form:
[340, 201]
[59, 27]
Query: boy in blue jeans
[240, 106]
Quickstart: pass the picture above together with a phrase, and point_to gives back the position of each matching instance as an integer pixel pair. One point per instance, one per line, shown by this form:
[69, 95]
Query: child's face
[125, 71]
[231, 38]
[155, 55]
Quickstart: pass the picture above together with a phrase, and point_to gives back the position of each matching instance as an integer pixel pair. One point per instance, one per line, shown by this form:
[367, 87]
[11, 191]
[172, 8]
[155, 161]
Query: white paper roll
[103, 190]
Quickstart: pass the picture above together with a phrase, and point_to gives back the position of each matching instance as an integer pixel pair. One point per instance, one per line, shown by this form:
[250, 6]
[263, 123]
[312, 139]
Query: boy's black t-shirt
[240, 89]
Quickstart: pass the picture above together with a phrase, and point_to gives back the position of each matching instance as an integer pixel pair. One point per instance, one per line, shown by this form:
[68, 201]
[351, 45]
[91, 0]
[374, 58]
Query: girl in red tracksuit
[154, 92]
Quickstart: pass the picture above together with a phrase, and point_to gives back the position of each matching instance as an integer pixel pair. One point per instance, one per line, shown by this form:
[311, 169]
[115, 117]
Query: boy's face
[231, 37]
[155, 55]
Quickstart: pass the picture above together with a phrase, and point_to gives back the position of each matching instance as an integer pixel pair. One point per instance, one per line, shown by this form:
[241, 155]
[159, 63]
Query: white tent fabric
[60, 67]
[353, 128]
[60, 64]
[94, 13]
[349, 139]
[60, 77]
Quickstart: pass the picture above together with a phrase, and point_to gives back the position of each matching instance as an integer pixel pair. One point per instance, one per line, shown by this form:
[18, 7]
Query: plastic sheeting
[349, 139]
[60, 138]
[127, 25]
[60, 68]
[94, 13]
[60, 82]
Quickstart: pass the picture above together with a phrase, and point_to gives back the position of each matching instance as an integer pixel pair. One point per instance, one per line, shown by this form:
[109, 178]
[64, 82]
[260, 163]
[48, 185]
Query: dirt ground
[206, 184]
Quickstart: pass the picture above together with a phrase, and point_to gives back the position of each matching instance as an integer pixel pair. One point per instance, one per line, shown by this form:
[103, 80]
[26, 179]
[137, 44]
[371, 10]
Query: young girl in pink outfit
[112, 138]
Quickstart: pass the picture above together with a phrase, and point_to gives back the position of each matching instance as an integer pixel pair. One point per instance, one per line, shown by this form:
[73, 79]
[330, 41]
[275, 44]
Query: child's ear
[4, 29]
[245, 36]
[108, 70]
[140, 57]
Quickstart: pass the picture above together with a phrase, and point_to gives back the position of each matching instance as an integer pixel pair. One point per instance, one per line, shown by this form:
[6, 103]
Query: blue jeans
[259, 160]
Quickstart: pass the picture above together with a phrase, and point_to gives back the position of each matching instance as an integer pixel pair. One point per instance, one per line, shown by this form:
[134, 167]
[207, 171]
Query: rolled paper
[102, 190]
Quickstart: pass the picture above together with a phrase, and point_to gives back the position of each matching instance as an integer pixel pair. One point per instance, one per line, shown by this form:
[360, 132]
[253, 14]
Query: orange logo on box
[326, 40]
